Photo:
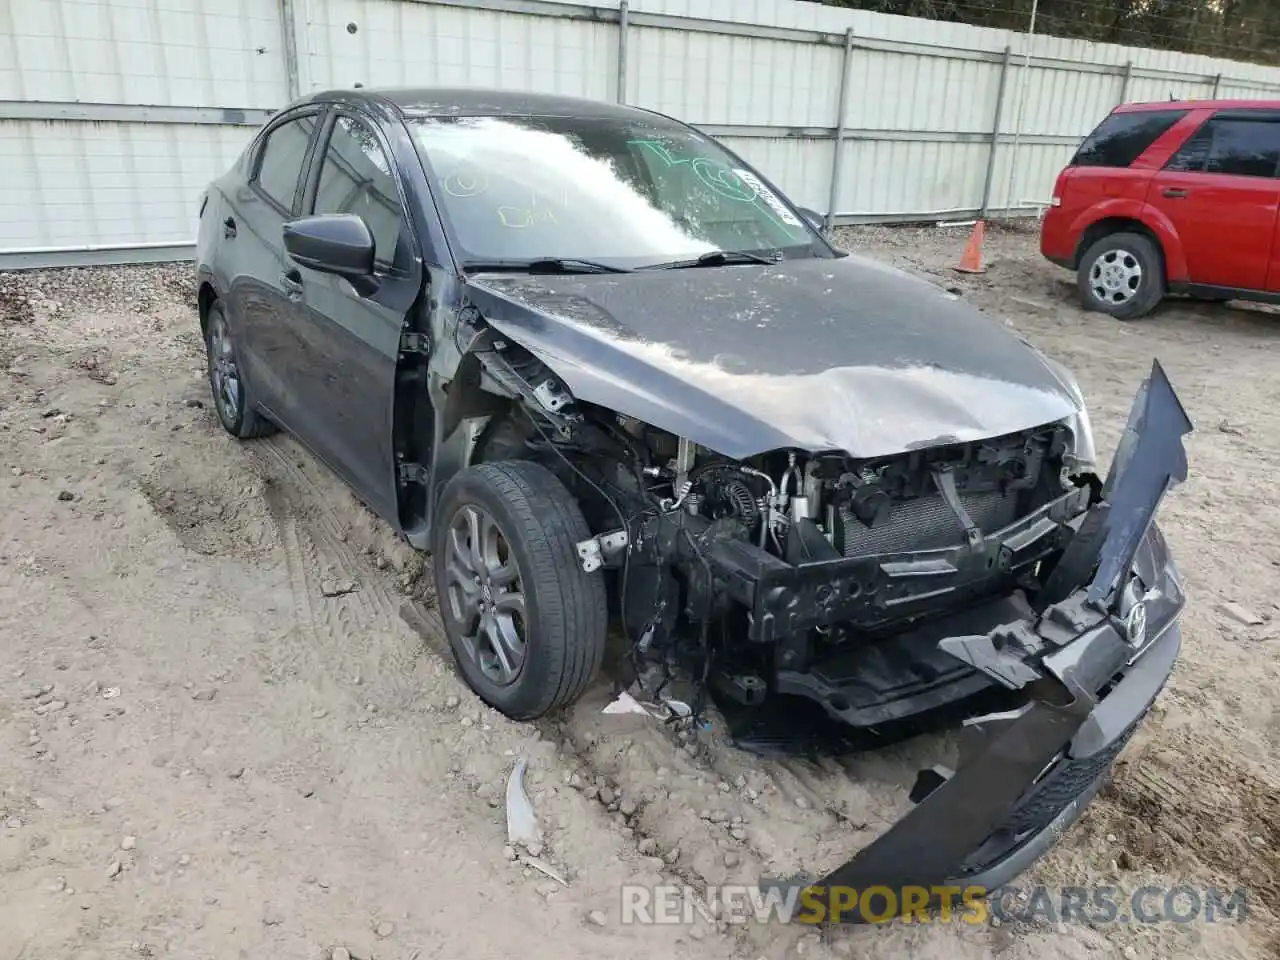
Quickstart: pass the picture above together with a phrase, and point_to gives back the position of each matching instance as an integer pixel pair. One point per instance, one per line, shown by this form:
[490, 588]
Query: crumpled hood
[818, 354]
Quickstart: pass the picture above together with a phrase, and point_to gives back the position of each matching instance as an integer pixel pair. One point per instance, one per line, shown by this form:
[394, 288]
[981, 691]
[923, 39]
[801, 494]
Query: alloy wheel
[228, 392]
[484, 594]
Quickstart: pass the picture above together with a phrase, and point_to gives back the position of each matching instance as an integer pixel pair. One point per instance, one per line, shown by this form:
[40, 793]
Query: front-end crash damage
[884, 585]
[1088, 661]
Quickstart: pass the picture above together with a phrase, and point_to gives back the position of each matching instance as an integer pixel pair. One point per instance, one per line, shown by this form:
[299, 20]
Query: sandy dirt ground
[231, 728]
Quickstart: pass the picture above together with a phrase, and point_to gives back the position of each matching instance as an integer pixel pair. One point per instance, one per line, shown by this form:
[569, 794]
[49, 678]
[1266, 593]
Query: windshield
[602, 189]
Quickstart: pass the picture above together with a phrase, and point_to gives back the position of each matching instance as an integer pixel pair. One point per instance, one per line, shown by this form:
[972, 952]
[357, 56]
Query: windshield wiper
[546, 265]
[718, 258]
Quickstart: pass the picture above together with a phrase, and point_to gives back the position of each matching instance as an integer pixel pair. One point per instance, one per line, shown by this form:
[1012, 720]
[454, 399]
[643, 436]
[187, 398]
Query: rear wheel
[1122, 275]
[230, 398]
[525, 622]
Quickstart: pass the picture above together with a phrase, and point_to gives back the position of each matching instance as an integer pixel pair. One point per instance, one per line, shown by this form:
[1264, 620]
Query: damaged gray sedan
[608, 375]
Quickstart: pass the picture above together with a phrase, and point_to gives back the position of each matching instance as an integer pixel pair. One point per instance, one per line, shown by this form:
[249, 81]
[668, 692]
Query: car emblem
[1135, 624]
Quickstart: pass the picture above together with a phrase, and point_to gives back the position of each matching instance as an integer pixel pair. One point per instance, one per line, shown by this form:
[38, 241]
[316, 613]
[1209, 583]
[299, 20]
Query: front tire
[1122, 275]
[231, 400]
[525, 622]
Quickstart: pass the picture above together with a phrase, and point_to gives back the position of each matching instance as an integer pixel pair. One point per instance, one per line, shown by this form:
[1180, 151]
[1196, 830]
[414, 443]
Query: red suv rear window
[1122, 137]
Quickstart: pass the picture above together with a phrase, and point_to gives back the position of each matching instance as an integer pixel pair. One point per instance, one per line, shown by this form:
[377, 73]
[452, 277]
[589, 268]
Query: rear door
[348, 343]
[1221, 194]
[262, 291]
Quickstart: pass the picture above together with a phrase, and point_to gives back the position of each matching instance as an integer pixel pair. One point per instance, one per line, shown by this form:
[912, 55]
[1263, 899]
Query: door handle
[291, 281]
[1174, 193]
[229, 227]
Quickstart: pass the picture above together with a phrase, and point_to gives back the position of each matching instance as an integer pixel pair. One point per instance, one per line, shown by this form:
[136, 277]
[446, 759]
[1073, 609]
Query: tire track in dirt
[277, 513]
[300, 591]
[227, 515]
[360, 630]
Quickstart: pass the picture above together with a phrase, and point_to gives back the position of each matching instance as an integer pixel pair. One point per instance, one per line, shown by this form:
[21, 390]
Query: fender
[205, 275]
[1126, 208]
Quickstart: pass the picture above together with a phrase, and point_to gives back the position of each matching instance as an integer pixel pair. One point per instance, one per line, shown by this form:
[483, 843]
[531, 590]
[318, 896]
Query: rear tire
[525, 622]
[231, 399]
[1122, 275]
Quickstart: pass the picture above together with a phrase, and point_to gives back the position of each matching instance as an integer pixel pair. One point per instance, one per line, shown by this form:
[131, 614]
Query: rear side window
[281, 160]
[1235, 146]
[1122, 137]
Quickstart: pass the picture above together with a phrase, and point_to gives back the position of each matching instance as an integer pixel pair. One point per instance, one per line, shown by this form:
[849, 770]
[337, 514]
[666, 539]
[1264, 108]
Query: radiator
[926, 523]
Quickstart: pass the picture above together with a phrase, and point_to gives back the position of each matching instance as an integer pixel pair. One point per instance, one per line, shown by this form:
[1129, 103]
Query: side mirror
[816, 220]
[338, 243]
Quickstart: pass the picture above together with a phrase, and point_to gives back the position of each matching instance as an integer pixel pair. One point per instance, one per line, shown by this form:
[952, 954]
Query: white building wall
[114, 114]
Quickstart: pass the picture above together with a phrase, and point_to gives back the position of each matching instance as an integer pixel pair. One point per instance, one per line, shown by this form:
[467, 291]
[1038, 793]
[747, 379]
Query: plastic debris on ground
[667, 709]
[522, 822]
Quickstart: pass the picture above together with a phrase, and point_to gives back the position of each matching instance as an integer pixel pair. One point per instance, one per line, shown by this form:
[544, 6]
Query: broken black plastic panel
[927, 846]
[1148, 463]
[1065, 662]
[871, 684]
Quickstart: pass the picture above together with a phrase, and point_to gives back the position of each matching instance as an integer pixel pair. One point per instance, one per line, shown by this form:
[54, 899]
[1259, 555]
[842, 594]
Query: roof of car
[479, 101]
[1200, 105]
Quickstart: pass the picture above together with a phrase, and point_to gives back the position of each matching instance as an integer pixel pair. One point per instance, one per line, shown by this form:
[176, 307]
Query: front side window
[612, 189]
[1123, 137]
[1240, 147]
[356, 178]
[281, 159]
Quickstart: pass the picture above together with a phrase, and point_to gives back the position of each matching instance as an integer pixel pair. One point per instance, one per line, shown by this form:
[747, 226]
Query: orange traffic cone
[971, 259]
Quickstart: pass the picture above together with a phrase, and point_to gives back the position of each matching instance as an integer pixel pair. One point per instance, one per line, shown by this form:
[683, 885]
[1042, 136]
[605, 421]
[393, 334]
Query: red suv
[1177, 197]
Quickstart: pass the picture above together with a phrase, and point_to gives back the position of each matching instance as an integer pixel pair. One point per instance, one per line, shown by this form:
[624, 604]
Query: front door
[1221, 194]
[351, 343]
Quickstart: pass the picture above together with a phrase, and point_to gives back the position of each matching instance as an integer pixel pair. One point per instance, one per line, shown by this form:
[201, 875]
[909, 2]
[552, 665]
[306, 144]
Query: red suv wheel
[1122, 275]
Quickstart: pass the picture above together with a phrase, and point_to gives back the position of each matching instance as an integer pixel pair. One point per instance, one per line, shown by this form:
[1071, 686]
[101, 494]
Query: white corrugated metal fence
[114, 114]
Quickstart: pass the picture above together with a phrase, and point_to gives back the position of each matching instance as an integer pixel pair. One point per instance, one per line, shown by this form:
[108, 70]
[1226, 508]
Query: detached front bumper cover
[1090, 665]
